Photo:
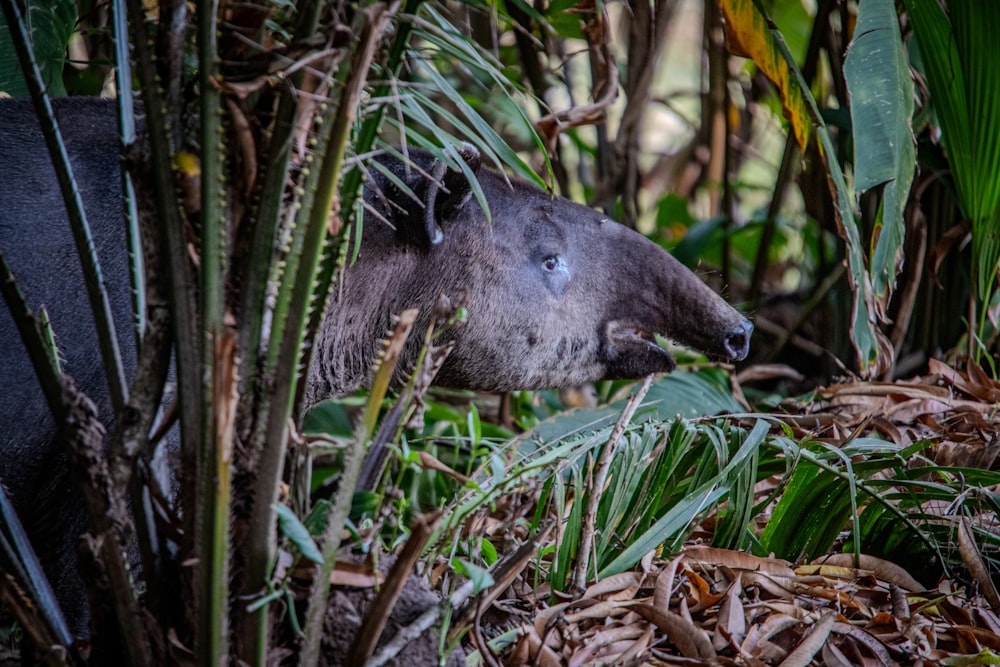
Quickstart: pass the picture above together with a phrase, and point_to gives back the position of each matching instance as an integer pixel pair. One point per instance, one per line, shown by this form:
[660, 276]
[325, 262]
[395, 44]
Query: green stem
[213, 467]
[376, 16]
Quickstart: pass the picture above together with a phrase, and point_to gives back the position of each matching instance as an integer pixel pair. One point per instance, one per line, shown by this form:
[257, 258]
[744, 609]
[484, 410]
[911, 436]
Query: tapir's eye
[552, 262]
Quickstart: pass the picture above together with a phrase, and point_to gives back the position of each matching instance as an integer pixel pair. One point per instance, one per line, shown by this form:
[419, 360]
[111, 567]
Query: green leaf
[809, 516]
[488, 552]
[668, 526]
[671, 525]
[878, 78]
[957, 50]
[874, 353]
[297, 533]
[50, 26]
[685, 393]
[330, 417]
[479, 576]
[749, 33]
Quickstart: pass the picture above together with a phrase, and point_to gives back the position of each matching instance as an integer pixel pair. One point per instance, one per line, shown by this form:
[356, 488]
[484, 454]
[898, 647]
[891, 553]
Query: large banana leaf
[874, 353]
[878, 78]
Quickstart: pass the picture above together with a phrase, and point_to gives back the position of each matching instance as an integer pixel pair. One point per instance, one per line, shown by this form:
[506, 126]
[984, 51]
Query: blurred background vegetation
[832, 167]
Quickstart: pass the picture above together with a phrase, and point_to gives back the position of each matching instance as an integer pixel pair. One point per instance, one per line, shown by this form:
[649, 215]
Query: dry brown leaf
[987, 388]
[787, 609]
[638, 647]
[601, 610]
[623, 586]
[604, 643]
[974, 561]
[842, 598]
[810, 646]
[829, 570]
[736, 560]
[731, 625]
[760, 633]
[530, 650]
[700, 591]
[986, 638]
[874, 645]
[430, 462]
[546, 616]
[883, 569]
[989, 619]
[682, 633]
[665, 583]
[975, 382]
[976, 454]
[868, 392]
[833, 657]
[780, 588]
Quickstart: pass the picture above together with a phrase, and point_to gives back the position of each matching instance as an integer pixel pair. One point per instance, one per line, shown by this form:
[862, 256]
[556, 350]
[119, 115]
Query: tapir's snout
[737, 342]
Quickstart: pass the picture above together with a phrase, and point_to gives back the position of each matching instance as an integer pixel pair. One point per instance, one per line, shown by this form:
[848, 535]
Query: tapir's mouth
[640, 337]
[632, 351]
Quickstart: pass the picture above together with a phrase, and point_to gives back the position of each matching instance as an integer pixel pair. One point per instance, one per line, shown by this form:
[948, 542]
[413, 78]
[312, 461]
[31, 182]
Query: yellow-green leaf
[749, 34]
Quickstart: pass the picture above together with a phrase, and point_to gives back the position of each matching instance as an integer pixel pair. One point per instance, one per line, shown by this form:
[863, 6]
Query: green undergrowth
[691, 462]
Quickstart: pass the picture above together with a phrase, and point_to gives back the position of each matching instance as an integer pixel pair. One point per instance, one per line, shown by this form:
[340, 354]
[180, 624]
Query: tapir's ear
[448, 190]
[419, 193]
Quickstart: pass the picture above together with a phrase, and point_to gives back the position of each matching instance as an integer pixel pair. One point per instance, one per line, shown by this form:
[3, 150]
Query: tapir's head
[556, 293]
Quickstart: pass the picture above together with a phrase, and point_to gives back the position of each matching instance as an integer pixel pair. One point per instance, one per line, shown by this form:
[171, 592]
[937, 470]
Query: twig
[407, 634]
[594, 493]
[378, 614]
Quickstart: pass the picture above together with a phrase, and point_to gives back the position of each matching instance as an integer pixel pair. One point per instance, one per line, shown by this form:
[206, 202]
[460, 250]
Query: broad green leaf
[962, 74]
[670, 525]
[976, 25]
[750, 34]
[878, 78]
[770, 53]
[50, 26]
[812, 512]
[685, 393]
[297, 533]
[873, 350]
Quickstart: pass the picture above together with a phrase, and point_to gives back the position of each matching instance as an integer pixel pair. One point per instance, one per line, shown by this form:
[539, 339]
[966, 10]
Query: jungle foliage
[832, 166]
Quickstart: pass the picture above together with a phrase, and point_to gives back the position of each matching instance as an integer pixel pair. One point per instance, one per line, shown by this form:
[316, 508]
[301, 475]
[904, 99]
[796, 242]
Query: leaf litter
[712, 606]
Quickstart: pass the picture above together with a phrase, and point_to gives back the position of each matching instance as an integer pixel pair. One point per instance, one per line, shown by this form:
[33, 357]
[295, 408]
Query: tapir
[556, 295]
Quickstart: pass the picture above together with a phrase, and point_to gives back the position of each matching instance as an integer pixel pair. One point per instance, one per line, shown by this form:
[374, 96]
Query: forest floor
[710, 606]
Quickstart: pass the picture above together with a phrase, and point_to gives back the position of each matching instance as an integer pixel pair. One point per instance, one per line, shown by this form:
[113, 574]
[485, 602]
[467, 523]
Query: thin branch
[593, 494]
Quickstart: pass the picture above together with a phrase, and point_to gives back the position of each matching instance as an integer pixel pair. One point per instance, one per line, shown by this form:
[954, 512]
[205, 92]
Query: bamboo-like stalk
[213, 468]
[24, 588]
[375, 16]
[28, 326]
[265, 226]
[267, 444]
[172, 242]
[351, 188]
[284, 352]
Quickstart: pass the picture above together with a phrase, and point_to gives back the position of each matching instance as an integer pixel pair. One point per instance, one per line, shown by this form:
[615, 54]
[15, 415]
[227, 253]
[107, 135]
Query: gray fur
[556, 292]
[36, 240]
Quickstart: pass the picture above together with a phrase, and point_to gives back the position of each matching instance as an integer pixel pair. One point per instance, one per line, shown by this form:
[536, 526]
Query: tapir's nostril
[738, 341]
